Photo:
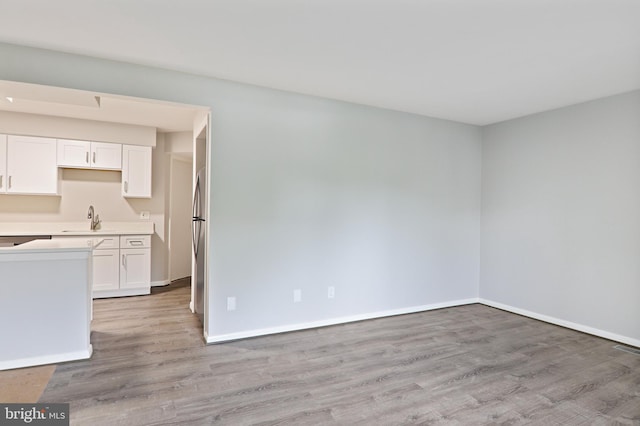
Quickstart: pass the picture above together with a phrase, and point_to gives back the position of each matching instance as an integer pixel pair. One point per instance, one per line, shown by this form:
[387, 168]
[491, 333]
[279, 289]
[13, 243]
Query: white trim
[141, 291]
[333, 321]
[46, 359]
[563, 323]
[160, 283]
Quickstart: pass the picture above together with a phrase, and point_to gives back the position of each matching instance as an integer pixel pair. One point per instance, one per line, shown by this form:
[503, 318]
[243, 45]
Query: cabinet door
[136, 171]
[106, 269]
[31, 165]
[3, 164]
[106, 155]
[135, 268]
[73, 153]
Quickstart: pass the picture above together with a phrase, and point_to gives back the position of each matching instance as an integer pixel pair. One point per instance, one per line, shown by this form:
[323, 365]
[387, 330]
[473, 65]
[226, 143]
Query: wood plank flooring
[467, 365]
[24, 384]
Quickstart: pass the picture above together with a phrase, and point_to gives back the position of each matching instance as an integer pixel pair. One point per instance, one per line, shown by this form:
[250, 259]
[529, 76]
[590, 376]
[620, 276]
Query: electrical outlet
[331, 292]
[231, 303]
[297, 295]
[145, 215]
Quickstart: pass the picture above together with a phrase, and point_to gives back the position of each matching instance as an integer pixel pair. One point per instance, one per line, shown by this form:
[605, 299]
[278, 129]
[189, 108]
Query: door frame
[202, 124]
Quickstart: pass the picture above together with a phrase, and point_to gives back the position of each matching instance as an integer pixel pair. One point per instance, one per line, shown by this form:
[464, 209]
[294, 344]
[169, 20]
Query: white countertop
[15, 229]
[59, 245]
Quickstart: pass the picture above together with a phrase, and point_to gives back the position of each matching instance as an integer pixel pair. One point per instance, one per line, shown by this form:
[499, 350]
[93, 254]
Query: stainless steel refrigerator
[198, 234]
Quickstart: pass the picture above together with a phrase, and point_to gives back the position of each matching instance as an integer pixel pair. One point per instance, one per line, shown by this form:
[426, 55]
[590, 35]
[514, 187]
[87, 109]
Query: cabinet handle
[94, 158]
[126, 185]
[86, 157]
[136, 243]
[0, 181]
[124, 260]
[9, 186]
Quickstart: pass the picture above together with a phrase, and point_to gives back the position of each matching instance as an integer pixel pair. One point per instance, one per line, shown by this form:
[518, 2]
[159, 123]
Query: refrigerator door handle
[195, 213]
[196, 243]
[196, 199]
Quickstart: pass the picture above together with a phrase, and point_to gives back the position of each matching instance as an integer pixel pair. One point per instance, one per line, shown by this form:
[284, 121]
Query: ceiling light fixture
[9, 98]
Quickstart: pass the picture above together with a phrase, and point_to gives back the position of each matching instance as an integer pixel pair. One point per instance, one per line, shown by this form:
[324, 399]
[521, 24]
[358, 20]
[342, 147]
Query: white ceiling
[475, 61]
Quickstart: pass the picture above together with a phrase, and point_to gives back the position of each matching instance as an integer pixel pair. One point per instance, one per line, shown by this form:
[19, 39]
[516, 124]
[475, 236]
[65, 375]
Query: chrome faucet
[95, 219]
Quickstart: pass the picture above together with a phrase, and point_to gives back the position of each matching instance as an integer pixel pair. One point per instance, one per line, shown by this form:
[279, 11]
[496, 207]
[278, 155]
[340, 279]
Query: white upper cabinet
[31, 165]
[86, 154]
[136, 171]
[73, 153]
[3, 164]
[106, 155]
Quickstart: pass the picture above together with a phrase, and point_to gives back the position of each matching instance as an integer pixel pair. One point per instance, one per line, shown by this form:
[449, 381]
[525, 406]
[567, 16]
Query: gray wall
[308, 192]
[384, 206]
[561, 215]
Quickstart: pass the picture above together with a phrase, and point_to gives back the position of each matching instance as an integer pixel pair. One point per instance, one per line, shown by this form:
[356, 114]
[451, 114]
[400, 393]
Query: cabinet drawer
[135, 241]
[108, 242]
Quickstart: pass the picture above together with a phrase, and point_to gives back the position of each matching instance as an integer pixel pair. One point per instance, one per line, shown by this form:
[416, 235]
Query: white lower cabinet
[124, 269]
[134, 269]
[121, 265]
[106, 270]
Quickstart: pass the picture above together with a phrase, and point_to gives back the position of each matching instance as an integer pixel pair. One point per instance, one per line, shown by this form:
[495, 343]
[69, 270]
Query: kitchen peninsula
[45, 302]
[47, 285]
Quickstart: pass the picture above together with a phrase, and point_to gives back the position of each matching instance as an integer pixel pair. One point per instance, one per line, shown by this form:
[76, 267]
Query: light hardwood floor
[467, 365]
[24, 384]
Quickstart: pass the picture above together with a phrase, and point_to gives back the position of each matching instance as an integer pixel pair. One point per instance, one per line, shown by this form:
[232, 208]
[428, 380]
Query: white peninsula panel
[45, 303]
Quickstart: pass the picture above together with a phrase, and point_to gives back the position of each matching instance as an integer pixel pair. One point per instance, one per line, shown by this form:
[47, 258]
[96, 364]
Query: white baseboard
[46, 359]
[220, 338]
[121, 293]
[563, 323]
[160, 283]
[333, 321]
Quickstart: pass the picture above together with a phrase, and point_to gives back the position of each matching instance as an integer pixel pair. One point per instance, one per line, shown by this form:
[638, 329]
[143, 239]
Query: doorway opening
[200, 221]
[172, 130]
